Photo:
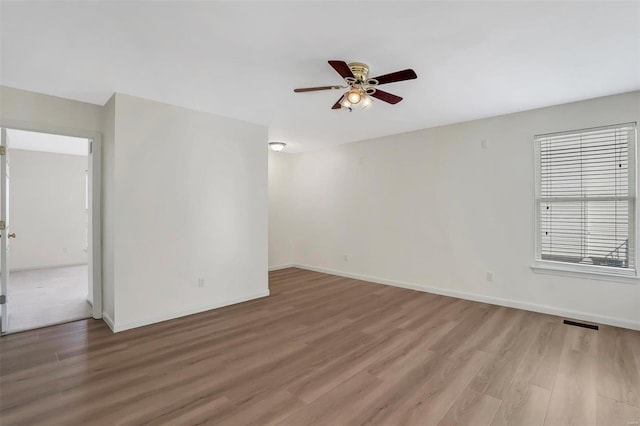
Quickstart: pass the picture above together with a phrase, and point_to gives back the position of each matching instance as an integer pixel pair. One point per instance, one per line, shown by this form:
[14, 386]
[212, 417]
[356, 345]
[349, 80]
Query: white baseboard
[551, 310]
[173, 315]
[107, 319]
[278, 267]
[52, 266]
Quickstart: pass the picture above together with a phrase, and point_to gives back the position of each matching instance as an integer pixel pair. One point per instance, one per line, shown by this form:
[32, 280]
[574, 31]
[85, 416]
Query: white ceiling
[44, 142]
[242, 59]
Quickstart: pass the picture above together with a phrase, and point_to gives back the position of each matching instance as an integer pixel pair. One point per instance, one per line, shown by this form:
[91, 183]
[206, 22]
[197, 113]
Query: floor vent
[581, 324]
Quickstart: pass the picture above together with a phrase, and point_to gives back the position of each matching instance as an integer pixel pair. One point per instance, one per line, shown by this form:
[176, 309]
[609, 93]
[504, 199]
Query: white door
[4, 229]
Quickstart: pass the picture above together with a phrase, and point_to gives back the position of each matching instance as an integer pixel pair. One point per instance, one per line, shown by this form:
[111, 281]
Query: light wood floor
[326, 350]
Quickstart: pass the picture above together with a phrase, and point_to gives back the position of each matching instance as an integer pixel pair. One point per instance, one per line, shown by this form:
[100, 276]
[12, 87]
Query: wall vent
[581, 324]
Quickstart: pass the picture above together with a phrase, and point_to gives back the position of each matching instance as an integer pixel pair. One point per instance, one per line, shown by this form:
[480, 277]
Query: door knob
[12, 235]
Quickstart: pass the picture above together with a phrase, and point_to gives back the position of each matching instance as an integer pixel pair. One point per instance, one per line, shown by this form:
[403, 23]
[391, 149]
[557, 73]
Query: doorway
[48, 211]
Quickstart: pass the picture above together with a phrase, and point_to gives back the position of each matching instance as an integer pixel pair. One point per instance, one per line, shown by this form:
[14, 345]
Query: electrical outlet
[200, 282]
[484, 144]
[346, 257]
[490, 276]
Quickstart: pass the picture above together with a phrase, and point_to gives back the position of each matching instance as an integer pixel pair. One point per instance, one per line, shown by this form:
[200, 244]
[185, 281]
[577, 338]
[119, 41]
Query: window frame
[577, 269]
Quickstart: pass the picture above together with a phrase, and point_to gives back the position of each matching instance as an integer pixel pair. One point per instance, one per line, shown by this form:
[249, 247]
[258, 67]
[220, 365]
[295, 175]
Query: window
[586, 200]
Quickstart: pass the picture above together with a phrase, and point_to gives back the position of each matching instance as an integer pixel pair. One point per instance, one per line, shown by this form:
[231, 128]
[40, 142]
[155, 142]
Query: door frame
[4, 239]
[95, 198]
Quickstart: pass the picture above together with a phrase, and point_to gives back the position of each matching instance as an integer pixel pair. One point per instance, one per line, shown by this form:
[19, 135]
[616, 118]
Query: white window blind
[585, 198]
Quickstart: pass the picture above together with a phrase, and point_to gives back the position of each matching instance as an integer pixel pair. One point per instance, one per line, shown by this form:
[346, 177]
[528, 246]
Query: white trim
[95, 218]
[95, 225]
[395, 283]
[588, 129]
[173, 315]
[107, 319]
[54, 266]
[627, 276]
[634, 214]
[545, 309]
[278, 267]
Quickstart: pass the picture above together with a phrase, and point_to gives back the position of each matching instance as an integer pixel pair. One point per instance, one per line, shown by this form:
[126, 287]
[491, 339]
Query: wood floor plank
[618, 376]
[573, 399]
[422, 391]
[496, 376]
[325, 350]
[525, 402]
[321, 380]
[612, 413]
[436, 396]
[471, 409]
[543, 359]
[330, 409]
[405, 357]
[205, 412]
[273, 408]
[526, 405]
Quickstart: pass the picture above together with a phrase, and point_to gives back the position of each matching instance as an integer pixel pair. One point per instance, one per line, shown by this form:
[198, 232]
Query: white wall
[280, 209]
[184, 196]
[190, 203]
[21, 106]
[108, 209]
[21, 109]
[47, 209]
[432, 210]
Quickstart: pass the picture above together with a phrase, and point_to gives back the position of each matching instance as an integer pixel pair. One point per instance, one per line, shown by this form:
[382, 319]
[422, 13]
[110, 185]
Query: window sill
[569, 271]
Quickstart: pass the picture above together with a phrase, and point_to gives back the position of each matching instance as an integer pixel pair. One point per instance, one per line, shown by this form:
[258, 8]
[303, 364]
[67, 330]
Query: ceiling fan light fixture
[354, 96]
[361, 88]
[366, 101]
[277, 146]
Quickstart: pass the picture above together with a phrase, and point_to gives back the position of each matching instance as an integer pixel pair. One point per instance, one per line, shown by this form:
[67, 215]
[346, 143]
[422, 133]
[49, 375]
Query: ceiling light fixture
[354, 96]
[366, 101]
[277, 146]
[360, 88]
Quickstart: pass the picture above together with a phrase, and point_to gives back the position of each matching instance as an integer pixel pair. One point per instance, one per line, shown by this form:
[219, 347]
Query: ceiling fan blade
[387, 97]
[407, 74]
[337, 105]
[314, 89]
[342, 68]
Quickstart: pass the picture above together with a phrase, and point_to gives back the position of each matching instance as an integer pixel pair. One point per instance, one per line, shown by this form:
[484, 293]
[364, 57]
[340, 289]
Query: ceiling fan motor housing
[361, 73]
[360, 70]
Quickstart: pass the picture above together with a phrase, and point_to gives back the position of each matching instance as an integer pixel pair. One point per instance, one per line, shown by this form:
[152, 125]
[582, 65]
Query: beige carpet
[43, 297]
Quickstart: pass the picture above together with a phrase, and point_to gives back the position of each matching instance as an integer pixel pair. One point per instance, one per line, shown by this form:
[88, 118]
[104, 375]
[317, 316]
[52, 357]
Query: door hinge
[91, 147]
[3, 150]
[3, 299]
[3, 225]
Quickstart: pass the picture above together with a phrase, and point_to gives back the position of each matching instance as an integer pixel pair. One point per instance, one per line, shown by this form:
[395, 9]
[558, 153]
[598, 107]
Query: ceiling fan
[360, 87]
